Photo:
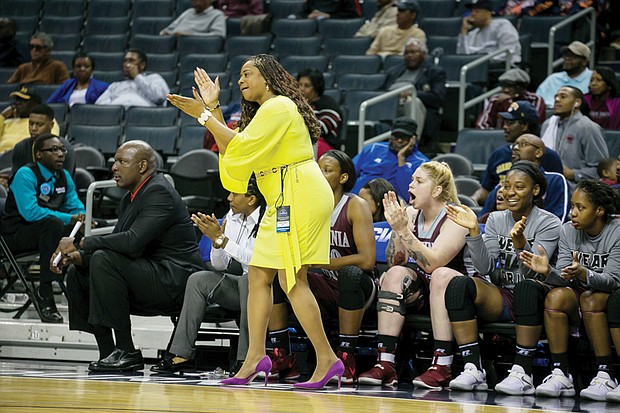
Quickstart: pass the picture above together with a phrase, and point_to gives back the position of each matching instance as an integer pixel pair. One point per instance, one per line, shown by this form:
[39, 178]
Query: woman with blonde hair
[423, 241]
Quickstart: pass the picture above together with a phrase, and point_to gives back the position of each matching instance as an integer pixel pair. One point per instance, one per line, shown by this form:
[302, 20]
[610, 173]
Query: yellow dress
[277, 144]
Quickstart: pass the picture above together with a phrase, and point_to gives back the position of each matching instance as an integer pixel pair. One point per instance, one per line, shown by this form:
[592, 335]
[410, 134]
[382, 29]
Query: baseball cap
[480, 4]
[515, 76]
[578, 49]
[405, 126]
[26, 94]
[520, 110]
[411, 5]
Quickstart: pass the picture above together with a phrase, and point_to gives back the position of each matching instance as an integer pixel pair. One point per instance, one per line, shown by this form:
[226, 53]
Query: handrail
[553, 29]
[90, 193]
[463, 106]
[361, 132]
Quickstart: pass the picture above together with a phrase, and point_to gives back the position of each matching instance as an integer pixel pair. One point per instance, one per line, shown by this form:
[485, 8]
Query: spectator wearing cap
[575, 137]
[576, 73]
[556, 199]
[202, 19]
[385, 16]
[42, 68]
[519, 119]
[391, 40]
[14, 119]
[430, 83]
[326, 9]
[514, 83]
[395, 161]
[482, 34]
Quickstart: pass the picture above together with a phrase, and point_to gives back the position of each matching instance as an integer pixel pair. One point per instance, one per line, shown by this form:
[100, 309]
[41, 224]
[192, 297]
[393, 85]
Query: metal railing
[463, 105]
[90, 193]
[361, 132]
[553, 29]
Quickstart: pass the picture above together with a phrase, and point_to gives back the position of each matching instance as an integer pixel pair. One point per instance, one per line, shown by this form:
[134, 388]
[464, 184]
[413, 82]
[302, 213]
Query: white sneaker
[600, 385]
[556, 384]
[517, 383]
[614, 395]
[470, 379]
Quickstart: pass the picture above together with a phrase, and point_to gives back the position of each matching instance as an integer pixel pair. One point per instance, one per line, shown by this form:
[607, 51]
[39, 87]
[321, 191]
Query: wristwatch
[220, 241]
[204, 116]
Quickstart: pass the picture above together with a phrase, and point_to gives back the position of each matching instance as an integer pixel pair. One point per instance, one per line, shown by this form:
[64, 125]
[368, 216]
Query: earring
[267, 86]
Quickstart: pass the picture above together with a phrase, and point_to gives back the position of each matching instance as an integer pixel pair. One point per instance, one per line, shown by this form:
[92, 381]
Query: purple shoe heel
[264, 365]
[337, 369]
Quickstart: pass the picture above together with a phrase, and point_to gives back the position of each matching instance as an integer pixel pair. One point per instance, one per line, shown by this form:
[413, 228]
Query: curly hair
[281, 83]
[600, 195]
[441, 175]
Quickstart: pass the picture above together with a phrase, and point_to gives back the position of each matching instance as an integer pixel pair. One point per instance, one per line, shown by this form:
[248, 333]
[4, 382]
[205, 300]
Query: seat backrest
[86, 156]
[281, 9]
[191, 138]
[104, 138]
[453, 64]
[87, 114]
[300, 46]
[247, 45]
[383, 111]
[347, 46]
[61, 25]
[209, 62]
[162, 62]
[108, 8]
[294, 64]
[199, 44]
[441, 26]
[339, 27]
[151, 116]
[612, 139]
[149, 25]
[293, 27]
[357, 81]
[105, 42]
[538, 27]
[105, 25]
[478, 144]
[460, 165]
[67, 42]
[356, 64]
[107, 61]
[152, 8]
[195, 164]
[61, 110]
[466, 186]
[436, 8]
[446, 43]
[161, 138]
[22, 7]
[151, 43]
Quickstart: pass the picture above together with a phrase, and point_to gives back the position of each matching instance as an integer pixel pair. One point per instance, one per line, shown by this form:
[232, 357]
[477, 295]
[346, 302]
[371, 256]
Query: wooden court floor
[27, 386]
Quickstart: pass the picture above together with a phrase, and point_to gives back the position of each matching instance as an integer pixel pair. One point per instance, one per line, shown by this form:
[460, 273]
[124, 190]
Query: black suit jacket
[430, 85]
[157, 228]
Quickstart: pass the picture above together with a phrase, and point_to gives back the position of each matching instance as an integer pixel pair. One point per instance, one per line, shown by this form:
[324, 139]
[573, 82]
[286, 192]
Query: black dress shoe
[166, 365]
[119, 360]
[49, 312]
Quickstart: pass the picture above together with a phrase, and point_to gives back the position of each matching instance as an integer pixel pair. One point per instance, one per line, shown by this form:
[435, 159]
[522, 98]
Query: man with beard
[576, 73]
[395, 161]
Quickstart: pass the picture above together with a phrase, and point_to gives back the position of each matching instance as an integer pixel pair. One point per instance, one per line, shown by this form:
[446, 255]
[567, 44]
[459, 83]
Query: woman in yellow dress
[274, 140]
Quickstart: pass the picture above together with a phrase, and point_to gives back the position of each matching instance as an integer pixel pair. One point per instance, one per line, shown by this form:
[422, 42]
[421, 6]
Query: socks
[560, 361]
[347, 343]
[124, 340]
[387, 342]
[605, 364]
[46, 290]
[105, 341]
[525, 358]
[279, 339]
[471, 354]
[444, 353]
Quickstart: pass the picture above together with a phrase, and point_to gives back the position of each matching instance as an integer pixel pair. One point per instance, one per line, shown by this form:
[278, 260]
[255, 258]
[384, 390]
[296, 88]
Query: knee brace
[528, 303]
[350, 292]
[613, 310]
[410, 286]
[461, 298]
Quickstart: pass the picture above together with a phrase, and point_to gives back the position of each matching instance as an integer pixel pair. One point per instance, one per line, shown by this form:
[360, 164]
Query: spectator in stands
[514, 83]
[482, 34]
[14, 119]
[226, 284]
[139, 89]
[587, 262]
[202, 19]
[385, 16]
[373, 193]
[576, 73]
[395, 160]
[577, 139]
[142, 266]
[11, 54]
[41, 68]
[42, 206]
[489, 297]
[326, 109]
[40, 122]
[556, 199]
[607, 170]
[430, 83]
[603, 98]
[240, 8]
[82, 87]
[520, 118]
[522, 8]
[390, 40]
[326, 9]
[423, 234]
[344, 287]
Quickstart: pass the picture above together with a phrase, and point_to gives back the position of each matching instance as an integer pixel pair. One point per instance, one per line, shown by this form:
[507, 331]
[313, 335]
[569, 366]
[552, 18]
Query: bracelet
[217, 105]
[204, 117]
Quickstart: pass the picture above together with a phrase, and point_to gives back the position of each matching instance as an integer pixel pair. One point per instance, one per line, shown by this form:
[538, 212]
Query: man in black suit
[140, 268]
[429, 81]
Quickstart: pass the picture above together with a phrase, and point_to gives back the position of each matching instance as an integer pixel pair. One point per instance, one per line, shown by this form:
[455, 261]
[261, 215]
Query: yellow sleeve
[253, 148]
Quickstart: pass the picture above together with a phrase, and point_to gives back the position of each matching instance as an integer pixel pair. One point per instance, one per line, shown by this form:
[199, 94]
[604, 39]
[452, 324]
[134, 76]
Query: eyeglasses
[523, 144]
[55, 149]
[36, 47]
[401, 137]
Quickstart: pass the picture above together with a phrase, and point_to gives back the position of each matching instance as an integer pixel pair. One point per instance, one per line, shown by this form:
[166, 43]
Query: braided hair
[260, 199]
[281, 83]
[601, 195]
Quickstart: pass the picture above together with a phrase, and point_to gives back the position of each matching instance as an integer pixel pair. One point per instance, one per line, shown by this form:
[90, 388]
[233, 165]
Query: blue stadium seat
[384, 111]
[347, 46]
[152, 8]
[107, 25]
[199, 44]
[293, 27]
[329, 28]
[162, 62]
[161, 138]
[67, 42]
[153, 43]
[149, 25]
[436, 8]
[26, 23]
[209, 62]
[356, 64]
[191, 138]
[65, 8]
[96, 115]
[300, 46]
[105, 42]
[61, 25]
[612, 138]
[105, 61]
[478, 144]
[147, 116]
[247, 45]
[441, 26]
[12, 8]
[294, 64]
[281, 9]
[108, 8]
[105, 138]
[358, 81]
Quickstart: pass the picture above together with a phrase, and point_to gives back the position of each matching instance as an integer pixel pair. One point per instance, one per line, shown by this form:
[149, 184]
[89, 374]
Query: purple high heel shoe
[337, 369]
[263, 365]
